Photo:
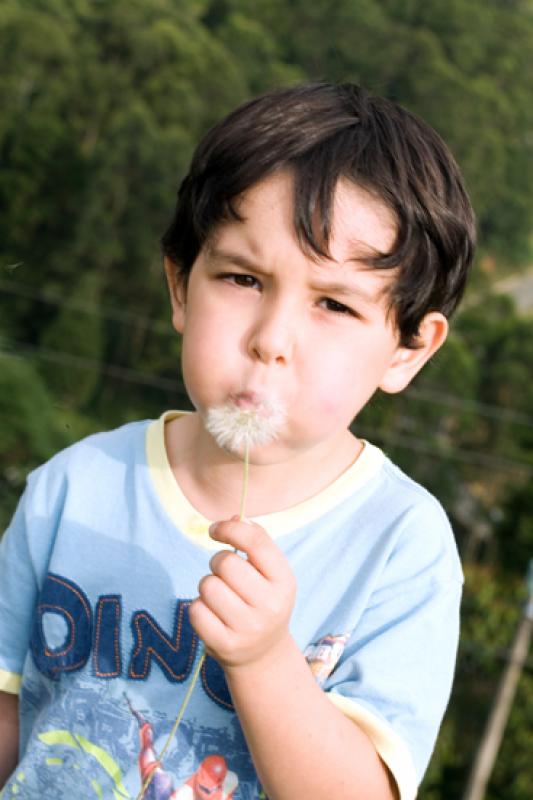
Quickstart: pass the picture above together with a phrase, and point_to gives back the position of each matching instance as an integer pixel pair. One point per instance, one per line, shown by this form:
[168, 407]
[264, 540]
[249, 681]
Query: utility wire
[463, 456]
[105, 312]
[484, 409]
[428, 395]
[80, 362]
[166, 384]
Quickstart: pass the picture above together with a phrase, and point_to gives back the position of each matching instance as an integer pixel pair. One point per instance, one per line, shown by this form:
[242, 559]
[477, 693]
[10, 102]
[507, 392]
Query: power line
[463, 456]
[435, 397]
[80, 362]
[106, 312]
[486, 410]
[142, 378]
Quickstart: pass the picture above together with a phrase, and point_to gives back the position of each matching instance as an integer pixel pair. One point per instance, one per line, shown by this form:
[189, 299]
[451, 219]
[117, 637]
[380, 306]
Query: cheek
[327, 400]
[329, 405]
[343, 388]
[208, 354]
[203, 339]
[200, 370]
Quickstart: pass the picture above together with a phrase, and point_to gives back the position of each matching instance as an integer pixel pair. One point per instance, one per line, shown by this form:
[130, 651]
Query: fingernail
[212, 528]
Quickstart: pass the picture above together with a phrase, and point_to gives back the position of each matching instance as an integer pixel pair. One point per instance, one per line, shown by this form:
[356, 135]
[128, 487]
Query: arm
[9, 735]
[301, 745]
[299, 741]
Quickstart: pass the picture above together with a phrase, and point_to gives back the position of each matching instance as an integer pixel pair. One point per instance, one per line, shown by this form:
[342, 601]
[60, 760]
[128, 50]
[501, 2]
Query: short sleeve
[18, 591]
[25, 551]
[395, 676]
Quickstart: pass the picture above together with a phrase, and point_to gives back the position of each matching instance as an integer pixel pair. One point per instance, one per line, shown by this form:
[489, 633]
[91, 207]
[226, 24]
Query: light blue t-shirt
[97, 569]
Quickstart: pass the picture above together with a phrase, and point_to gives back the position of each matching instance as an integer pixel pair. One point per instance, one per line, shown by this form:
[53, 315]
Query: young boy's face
[262, 319]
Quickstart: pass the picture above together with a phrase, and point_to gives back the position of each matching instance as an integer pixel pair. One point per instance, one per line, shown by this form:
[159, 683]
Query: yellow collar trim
[195, 526]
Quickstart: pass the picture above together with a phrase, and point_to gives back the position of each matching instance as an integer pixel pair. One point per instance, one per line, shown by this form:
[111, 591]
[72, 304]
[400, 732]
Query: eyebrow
[215, 255]
[347, 290]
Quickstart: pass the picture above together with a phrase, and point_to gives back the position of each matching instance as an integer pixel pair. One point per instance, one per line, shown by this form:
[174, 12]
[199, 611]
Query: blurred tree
[466, 67]
[514, 533]
[501, 342]
[253, 45]
[102, 103]
[491, 610]
[29, 431]
[41, 167]
[79, 334]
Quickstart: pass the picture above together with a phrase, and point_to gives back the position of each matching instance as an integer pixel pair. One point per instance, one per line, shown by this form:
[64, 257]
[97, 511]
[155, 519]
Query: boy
[321, 240]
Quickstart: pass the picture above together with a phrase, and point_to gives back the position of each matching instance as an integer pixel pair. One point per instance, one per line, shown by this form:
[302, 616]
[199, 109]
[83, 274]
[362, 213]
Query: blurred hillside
[520, 288]
[102, 102]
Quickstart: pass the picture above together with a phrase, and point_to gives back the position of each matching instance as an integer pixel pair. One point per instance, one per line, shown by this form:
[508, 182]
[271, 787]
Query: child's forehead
[361, 225]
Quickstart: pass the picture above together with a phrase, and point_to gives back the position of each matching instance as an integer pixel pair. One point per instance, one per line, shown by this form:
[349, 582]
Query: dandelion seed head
[233, 428]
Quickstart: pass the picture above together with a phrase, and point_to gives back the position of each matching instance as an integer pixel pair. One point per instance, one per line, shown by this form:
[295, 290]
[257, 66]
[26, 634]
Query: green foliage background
[102, 102]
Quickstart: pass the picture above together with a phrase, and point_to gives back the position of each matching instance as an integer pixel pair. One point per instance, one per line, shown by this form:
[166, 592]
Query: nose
[273, 334]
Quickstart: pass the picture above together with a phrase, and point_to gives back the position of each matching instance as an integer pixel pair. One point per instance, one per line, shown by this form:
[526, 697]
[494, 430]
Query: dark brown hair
[321, 133]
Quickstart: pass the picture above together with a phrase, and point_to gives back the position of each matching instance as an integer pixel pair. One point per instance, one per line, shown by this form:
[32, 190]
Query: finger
[222, 601]
[253, 540]
[241, 577]
[211, 630]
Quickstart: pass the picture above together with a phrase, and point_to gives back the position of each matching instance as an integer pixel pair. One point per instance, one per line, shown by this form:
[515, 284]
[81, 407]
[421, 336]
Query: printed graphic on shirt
[96, 743]
[69, 635]
[212, 779]
[323, 656]
[99, 730]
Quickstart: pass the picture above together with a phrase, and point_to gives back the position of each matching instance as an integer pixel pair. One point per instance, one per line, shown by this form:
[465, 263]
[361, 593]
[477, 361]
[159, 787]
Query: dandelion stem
[245, 477]
[181, 712]
[199, 665]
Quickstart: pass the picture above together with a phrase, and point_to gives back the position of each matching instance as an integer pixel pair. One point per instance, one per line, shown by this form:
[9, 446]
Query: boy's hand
[244, 607]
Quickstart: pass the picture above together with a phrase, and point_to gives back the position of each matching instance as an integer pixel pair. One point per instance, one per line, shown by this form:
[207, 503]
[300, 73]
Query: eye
[241, 279]
[337, 308]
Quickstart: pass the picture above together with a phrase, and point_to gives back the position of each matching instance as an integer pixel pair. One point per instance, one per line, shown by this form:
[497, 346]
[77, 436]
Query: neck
[212, 479]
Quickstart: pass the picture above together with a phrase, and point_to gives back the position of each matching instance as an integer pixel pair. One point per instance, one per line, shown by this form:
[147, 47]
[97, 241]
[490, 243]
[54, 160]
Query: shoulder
[102, 446]
[406, 495]
[84, 488]
[91, 461]
[423, 534]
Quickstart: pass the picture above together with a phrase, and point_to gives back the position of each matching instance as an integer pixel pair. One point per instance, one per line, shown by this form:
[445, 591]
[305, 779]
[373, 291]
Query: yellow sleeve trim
[9, 682]
[390, 747]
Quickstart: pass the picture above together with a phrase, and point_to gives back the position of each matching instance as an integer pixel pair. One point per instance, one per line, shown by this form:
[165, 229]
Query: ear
[177, 290]
[407, 362]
